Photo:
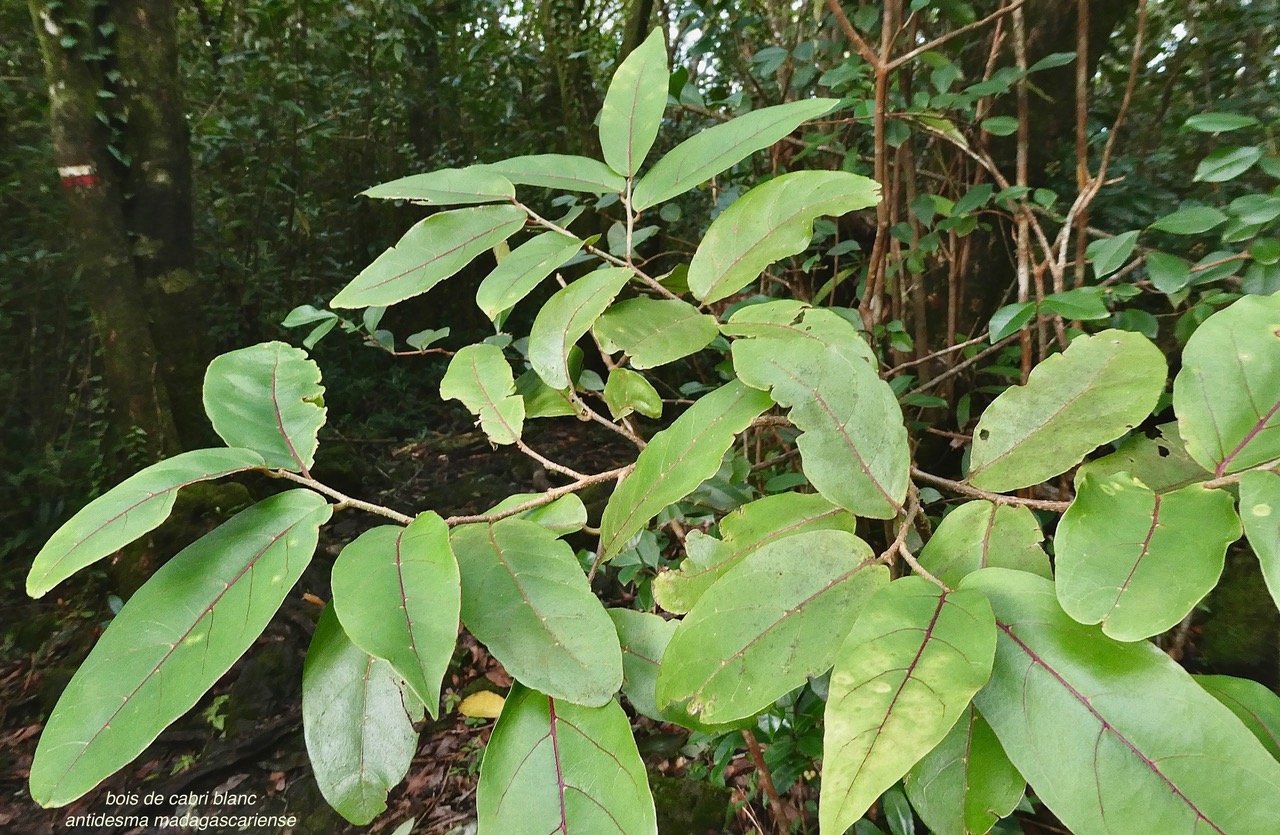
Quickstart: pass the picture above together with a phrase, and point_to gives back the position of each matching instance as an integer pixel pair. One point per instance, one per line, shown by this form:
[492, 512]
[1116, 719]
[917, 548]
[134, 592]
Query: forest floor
[241, 749]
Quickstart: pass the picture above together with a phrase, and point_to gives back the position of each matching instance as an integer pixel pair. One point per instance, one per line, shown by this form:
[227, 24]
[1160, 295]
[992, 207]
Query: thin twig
[959, 367]
[781, 819]
[546, 498]
[343, 499]
[995, 498]
[955, 33]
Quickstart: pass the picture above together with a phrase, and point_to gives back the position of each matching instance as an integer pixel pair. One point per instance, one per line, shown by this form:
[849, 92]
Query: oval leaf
[745, 530]
[1252, 703]
[633, 105]
[522, 270]
[965, 784]
[980, 534]
[561, 171]
[124, 513]
[480, 376]
[767, 625]
[1161, 463]
[524, 596]
[1109, 254]
[1115, 737]
[770, 222]
[1227, 164]
[655, 332]
[1099, 388]
[174, 638]
[1193, 220]
[357, 721]
[1219, 122]
[1120, 546]
[677, 460]
[432, 250]
[1227, 394]
[396, 592]
[448, 187]
[854, 443]
[719, 148]
[1260, 513]
[628, 392]
[566, 317]
[267, 398]
[556, 767]
[912, 662]
[644, 638]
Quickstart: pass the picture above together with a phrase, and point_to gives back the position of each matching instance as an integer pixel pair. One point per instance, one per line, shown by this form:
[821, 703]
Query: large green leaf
[431, 251]
[633, 105]
[480, 376]
[1253, 704]
[719, 148]
[396, 592]
[267, 398]
[562, 516]
[981, 534]
[561, 171]
[127, 511]
[524, 596]
[1161, 463]
[745, 530]
[566, 317]
[655, 332]
[768, 624]
[644, 638]
[853, 444]
[1227, 394]
[628, 391]
[174, 638]
[448, 187]
[1137, 561]
[912, 662]
[1260, 513]
[522, 270]
[357, 721]
[770, 222]
[677, 460]
[1115, 737]
[789, 319]
[552, 767]
[965, 784]
[1099, 388]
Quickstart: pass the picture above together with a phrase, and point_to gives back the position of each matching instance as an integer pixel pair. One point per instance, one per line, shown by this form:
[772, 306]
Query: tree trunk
[560, 21]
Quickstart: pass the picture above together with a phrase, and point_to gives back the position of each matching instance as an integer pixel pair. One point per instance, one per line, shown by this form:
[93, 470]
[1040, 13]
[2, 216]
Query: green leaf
[912, 662]
[1120, 546]
[745, 530]
[564, 515]
[655, 332]
[396, 592]
[854, 444]
[1252, 703]
[627, 392]
[267, 398]
[644, 638]
[677, 460]
[767, 624]
[1193, 220]
[358, 723]
[175, 637]
[1109, 254]
[1227, 395]
[1000, 125]
[563, 172]
[1227, 164]
[788, 319]
[556, 767]
[980, 534]
[1080, 303]
[1260, 513]
[770, 222]
[633, 105]
[524, 596]
[432, 250]
[1168, 273]
[1115, 737]
[523, 270]
[448, 187]
[1219, 122]
[1099, 388]
[566, 317]
[480, 376]
[965, 784]
[1010, 319]
[540, 400]
[1161, 463]
[124, 513]
[1055, 59]
[719, 148]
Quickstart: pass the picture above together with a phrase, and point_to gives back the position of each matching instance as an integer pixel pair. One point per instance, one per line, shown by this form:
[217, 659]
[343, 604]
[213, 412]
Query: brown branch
[995, 498]
[955, 33]
[781, 819]
[546, 498]
[343, 499]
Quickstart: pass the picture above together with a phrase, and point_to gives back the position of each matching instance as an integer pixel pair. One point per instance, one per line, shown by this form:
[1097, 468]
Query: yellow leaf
[482, 705]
